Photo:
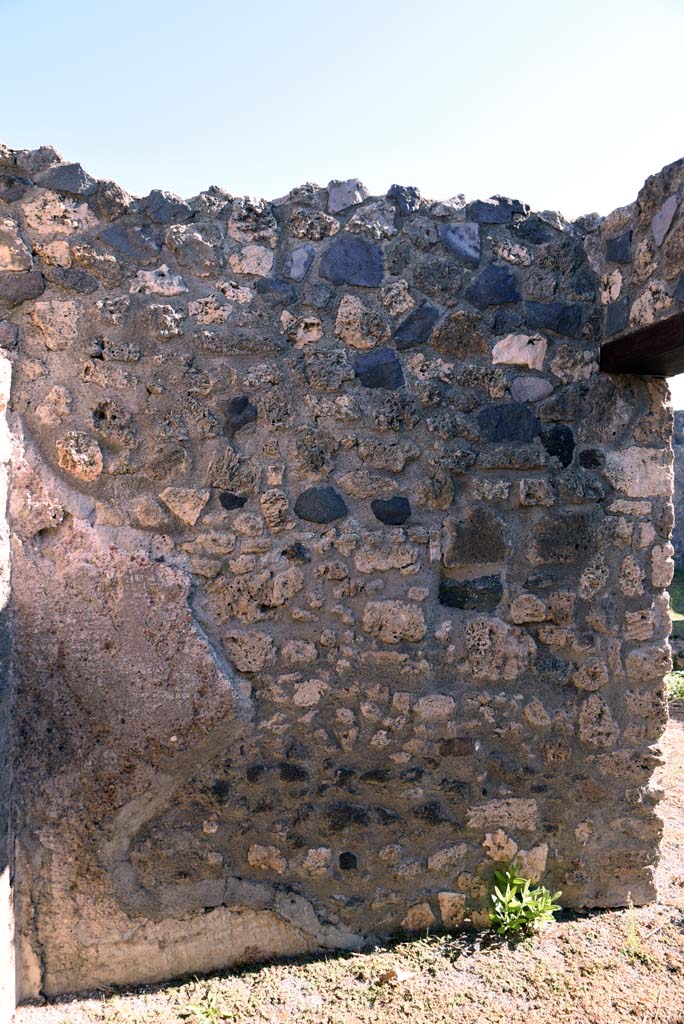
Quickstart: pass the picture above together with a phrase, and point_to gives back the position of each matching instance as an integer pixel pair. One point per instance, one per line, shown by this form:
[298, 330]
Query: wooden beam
[657, 349]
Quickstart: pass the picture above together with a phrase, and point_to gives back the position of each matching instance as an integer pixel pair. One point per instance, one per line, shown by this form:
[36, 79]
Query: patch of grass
[675, 686]
[677, 603]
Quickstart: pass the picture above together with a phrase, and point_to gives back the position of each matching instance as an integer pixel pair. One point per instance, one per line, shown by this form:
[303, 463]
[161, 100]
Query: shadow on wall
[678, 448]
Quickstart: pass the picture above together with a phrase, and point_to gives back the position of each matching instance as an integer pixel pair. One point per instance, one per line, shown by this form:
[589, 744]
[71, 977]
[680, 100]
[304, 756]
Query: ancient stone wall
[338, 569]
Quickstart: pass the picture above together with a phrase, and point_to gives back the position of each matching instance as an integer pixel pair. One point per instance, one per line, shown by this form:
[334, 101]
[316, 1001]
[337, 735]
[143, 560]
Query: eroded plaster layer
[339, 570]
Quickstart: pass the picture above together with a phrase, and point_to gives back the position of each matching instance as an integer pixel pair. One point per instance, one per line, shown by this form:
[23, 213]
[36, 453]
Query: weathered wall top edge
[45, 166]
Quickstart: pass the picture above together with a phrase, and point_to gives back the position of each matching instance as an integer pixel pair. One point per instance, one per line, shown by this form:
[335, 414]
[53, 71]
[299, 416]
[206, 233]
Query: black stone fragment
[348, 861]
[391, 511]
[352, 260]
[479, 595]
[165, 208]
[559, 317]
[292, 772]
[255, 772]
[276, 292]
[535, 230]
[230, 501]
[509, 421]
[320, 505]
[12, 188]
[495, 286]
[16, 288]
[297, 553]
[591, 458]
[407, 197]
[239, 411]
[490, 212]
[379, 368]
[433, 813]
[617, 316]
[131, 242]
[559, 441]
[73, 279]
[343, 815]
[417, 327]
[69, 178]
[619, 248]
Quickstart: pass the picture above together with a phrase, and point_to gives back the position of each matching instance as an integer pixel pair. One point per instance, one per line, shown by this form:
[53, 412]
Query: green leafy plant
[518, 906]
[206, 1010]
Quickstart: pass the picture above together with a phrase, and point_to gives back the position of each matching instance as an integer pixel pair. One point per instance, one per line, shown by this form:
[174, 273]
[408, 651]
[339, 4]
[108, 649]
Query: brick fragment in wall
[341, 554]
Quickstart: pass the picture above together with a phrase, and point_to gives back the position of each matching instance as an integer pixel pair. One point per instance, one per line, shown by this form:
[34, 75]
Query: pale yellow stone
[500, 847]
[266, 858]
[611, 286]
[527, 608]
[253, 259]
[309, 693]
[508, 815]
[451, 908]
[393, 621]
[317, 860]
[652, 301]
[396, 298]
[158, 282]
[249, 652]
[662, 565]
[418, 918]
[434, 708]
[521, 350]
[57, 321]
[532, 863]
[55, 254]
[185, 502]
[14, 254]
[641, 472]
[54, 407]
[80, 455]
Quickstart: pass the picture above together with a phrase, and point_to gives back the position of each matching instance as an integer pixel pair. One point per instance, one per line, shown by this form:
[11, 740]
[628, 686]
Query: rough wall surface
[678, 449]
[337, 569]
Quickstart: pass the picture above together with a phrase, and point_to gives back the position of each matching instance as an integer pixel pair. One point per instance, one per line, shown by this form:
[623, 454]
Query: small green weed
[518, 906]
[675, 686]
[206, 1009]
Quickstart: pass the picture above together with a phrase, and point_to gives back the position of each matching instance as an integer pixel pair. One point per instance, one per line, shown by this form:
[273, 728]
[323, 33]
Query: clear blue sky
[565, 105]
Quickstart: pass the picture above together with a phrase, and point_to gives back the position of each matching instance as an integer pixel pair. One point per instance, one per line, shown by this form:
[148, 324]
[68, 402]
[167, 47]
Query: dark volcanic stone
[292, 772]
[392, 511]
[490, 212]
[591, 458]
[417, 327]
[438, 277]
[9, 335]
[433, 813]
[564, 538]
[73, 279]
[510, 421]
[12, 188]
[495, 286]
[619, 248]
[320, 505]
[534, 229]
[479, 595]
[617, 316]
[559, 441]
[297, 553]
[229, 500]
[463, 240]
[347, 861]
[299, 261]
[343, 815]
[379, 368]
[131, 242]
[474, 539]
[406, 197]
[239, 411]
[165, 207]
[352, 260]
[559, 317]
[69, 178]
[16, 288]
[276, 292]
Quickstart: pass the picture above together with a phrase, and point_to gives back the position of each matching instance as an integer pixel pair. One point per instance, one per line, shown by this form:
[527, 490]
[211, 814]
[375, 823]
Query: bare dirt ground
[603, 967]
